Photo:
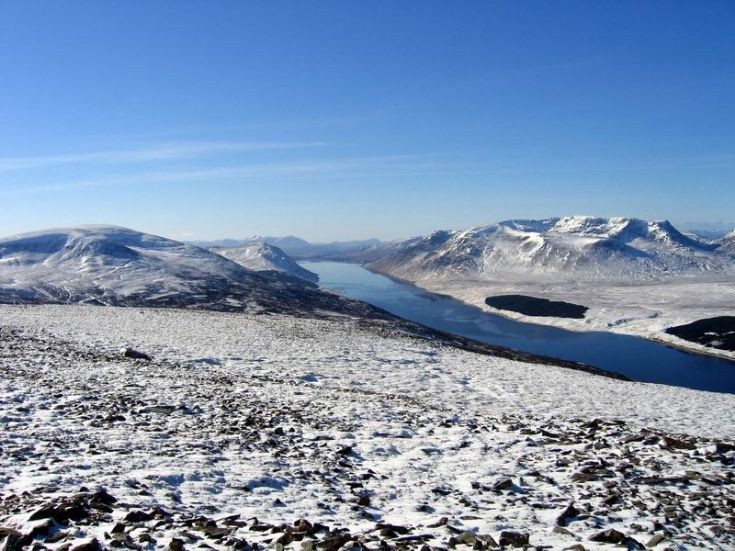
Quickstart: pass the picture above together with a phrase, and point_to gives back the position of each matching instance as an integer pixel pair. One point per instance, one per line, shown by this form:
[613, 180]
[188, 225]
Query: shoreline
[683, 347]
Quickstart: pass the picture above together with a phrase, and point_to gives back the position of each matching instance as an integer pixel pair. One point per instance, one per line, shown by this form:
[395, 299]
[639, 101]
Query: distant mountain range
[300, 249]
[118, 266]
[588, 247]
[577, 246]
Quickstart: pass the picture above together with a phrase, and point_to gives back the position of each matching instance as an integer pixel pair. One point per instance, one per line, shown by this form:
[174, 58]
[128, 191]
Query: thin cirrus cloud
[151, 153]
[342, 168]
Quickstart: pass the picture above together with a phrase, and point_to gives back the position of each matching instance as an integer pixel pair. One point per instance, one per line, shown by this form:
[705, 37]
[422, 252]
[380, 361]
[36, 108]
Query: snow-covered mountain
[582, 246]
[260, 256]
[727, 243]
[117, 266]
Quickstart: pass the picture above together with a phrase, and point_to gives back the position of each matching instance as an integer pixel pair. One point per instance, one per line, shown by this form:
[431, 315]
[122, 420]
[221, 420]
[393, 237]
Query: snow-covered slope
[575, 246]
[117, 266]
[240, 426]
[260, 256]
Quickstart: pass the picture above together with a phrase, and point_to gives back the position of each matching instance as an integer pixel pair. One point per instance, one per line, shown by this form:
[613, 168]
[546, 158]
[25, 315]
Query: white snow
[425, 420]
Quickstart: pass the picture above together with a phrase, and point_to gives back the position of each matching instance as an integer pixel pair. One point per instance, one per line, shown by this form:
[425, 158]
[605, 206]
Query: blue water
[637, 358]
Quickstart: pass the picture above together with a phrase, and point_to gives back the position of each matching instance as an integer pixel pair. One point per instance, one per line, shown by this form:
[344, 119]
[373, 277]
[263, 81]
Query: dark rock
[121, 539]
[513, 539]
[334, 540]
[176, 544]
[677, 444]
[41, 529]
[655, 540]
[56, 538]
[393, 527]
[61, 512]
[91, 545]
[345, 452]
[632, 544]
[101, 497]
[468, 538]
[608, 536]
[441, 522]
[12, 540]
[139, 516]
[487, 539]
[135, 354]
[563, 531]
[216, 532]
[567, 515]
[503, 484]
[145, 537]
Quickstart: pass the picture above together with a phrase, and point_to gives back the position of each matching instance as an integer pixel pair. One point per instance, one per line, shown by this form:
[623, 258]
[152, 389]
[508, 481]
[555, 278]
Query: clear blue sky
[335, 120]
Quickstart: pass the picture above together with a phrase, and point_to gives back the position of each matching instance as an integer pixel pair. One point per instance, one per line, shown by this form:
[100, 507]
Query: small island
[533, 306]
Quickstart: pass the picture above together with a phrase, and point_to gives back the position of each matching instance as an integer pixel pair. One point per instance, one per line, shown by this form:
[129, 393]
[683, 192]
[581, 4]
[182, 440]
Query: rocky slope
[117, 266]
[260, 256]
[335, 436]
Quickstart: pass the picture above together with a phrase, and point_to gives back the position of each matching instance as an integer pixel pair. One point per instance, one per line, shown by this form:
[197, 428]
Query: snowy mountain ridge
[588, 247]
[111, 265]
[260, 256]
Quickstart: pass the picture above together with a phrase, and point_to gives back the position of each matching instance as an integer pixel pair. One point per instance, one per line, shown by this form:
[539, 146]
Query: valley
[635, 277]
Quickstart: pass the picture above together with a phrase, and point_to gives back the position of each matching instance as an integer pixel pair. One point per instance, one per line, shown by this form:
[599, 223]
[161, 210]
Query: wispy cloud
[345, 169]
[151, 153]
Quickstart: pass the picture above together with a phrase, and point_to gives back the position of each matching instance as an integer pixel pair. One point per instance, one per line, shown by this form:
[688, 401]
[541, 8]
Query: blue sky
[340, 120]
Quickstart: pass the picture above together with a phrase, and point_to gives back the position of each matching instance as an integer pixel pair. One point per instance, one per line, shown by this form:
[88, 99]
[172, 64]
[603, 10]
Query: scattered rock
[567, 515]
[91, 545]
[655, 540]
[608, 536]
[513, 539]
[139, 516]
[503, 484]
[135, 354]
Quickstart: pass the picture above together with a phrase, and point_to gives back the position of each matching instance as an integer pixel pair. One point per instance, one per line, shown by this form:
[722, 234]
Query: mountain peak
[259, 255]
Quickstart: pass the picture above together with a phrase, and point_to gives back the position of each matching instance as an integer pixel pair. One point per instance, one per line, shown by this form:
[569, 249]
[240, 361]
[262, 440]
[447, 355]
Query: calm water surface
[634, 357]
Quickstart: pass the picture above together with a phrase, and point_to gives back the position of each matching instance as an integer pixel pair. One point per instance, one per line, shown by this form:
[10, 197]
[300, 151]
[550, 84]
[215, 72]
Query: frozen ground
[375, 440]
[639, 308]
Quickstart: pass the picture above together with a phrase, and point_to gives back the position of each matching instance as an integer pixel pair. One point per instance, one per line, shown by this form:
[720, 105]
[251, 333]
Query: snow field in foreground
[282, 418]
